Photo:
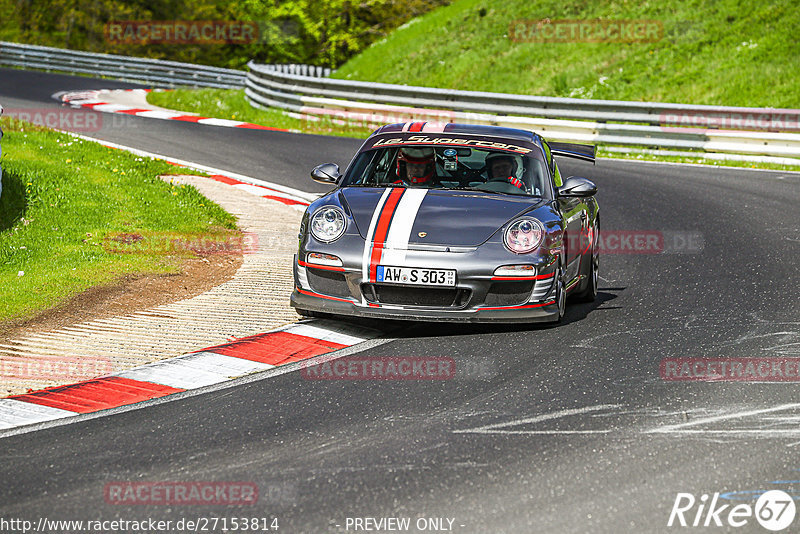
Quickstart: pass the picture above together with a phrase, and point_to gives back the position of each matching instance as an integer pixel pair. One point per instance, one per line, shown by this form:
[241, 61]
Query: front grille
[328, 282]
[436, 297]
[509, 293]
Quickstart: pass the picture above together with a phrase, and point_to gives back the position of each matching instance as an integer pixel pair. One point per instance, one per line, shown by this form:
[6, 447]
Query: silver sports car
[449, 222]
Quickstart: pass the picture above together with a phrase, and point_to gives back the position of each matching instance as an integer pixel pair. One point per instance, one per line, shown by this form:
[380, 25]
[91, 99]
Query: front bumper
[479, 296]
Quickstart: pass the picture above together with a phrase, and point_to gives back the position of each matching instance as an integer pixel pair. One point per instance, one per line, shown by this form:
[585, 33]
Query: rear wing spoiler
[573, 150]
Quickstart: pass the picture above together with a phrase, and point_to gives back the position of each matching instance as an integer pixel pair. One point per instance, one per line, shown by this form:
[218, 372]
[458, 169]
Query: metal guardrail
[309, 91]
[142, 70]
[299, 70]
[607, 122]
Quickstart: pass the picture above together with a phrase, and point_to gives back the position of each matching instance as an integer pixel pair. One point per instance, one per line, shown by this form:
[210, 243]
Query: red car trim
[312, 294]
[316, 266]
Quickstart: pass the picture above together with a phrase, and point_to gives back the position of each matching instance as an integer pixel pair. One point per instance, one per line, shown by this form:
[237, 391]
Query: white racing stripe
[434, 127]
[396, 247]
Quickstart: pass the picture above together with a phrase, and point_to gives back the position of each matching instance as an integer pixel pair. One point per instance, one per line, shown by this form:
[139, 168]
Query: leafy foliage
[317, 32]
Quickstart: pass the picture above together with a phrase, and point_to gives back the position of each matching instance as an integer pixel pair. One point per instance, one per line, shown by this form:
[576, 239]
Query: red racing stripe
[276, 348]
[417, 126]
[382, 230]
[517, 307]
[99, 394]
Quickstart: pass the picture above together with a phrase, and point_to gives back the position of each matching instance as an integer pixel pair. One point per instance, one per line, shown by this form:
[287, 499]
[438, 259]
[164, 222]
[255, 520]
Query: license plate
[416, 276]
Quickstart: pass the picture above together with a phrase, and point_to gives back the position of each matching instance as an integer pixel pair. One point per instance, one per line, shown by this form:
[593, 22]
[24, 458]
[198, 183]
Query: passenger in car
[503, 167]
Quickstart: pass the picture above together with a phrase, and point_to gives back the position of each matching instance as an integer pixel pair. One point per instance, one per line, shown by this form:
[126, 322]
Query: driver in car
[503, 167]
[415, 166]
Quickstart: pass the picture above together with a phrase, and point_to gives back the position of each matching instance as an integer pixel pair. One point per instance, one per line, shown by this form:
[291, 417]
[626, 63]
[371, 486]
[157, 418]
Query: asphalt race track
[273, 156]
[547, 429]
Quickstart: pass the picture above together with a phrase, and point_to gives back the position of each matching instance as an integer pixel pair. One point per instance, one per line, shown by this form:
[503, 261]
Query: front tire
[589, 293]
[560, 296]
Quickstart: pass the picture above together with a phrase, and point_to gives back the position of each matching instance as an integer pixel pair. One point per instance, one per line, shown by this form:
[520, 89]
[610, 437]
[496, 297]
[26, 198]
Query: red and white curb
[261, 188]
[261, 191]
[206, 367]
[134, 102]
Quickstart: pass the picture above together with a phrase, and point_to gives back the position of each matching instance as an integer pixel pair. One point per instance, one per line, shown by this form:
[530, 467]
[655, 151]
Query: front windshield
[438, 167]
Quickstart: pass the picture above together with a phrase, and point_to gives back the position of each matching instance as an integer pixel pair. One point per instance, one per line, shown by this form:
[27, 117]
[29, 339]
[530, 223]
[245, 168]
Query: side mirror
[327, 173]
[576, 186]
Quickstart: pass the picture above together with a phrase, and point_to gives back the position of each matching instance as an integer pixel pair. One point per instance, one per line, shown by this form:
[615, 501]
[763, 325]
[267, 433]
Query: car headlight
[524, 235]
[328, 224]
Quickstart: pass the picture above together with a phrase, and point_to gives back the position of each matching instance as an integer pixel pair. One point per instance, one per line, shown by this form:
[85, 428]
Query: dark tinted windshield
[443, 167]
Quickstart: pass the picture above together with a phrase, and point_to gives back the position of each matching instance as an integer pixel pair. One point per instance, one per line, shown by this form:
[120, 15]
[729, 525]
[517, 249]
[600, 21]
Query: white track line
[681, 427]
[494, 428]
[302, 195]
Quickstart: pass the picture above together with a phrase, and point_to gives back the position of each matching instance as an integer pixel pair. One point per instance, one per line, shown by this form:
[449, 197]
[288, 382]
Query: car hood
[434, 217]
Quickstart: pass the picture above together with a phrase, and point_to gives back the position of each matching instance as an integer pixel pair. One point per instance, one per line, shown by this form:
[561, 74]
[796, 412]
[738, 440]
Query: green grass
[63, 204]
[720, 52]
[232, 104]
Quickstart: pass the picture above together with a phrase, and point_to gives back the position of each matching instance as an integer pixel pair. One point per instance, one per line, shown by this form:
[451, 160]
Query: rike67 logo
[774, 510]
